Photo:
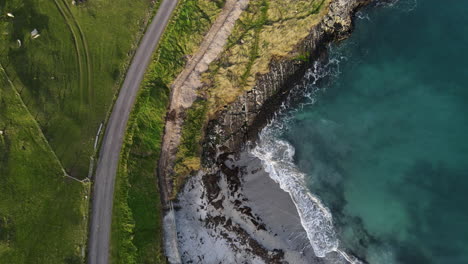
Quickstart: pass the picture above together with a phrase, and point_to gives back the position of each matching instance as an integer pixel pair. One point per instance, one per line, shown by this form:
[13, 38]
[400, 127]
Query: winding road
[103, 187]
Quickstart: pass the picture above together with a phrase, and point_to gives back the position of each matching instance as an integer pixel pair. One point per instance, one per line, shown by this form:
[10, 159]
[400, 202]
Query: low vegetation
[188, 154]
[43, 214]
[136, 225]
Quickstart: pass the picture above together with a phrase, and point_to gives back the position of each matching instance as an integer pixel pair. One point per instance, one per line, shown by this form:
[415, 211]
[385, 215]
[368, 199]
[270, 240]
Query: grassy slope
[42, 213]
[136, 227]
[268, 29]
[68, 76]
[265, 30]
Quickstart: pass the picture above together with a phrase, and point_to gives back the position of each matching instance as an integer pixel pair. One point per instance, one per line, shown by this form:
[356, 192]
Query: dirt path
[184, 89]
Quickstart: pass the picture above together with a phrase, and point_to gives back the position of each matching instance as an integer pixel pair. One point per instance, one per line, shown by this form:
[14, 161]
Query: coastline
[242, 120]
[228, 206]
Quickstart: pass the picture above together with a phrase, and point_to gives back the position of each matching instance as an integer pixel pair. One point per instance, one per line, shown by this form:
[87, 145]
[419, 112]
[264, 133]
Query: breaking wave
[402, 5]
[277, 155]
[277, 158]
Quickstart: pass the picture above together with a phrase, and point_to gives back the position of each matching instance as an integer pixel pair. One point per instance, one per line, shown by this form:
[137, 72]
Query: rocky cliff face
[242, 120]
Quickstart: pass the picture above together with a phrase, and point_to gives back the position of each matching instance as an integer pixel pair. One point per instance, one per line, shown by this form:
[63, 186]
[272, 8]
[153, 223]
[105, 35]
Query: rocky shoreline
[227, 207]
[241, 121]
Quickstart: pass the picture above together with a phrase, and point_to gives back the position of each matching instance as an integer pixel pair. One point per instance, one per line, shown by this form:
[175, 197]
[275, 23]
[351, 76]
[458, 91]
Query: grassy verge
[42, 213]
[68, 75]
[136, 224]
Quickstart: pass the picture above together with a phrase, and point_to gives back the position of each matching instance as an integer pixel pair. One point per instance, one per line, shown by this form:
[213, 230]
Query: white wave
[277, 158]
[403, 5]
[362, 16]
[305, 93]
[277, 155]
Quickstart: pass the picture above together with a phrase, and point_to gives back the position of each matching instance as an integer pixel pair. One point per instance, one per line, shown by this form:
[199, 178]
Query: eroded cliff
[241, 120]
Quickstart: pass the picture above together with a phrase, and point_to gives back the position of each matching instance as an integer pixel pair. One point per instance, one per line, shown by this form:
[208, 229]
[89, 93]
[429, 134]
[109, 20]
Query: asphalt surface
[103, 192]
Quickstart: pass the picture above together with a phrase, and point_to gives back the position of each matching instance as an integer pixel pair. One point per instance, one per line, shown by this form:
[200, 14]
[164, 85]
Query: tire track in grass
[77, 48]
[81, 48]
[86, 51]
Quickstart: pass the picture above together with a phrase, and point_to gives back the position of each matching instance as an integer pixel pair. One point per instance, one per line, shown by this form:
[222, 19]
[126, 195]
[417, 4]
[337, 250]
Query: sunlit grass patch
[68, 75]
[267, 29]
[43, 214]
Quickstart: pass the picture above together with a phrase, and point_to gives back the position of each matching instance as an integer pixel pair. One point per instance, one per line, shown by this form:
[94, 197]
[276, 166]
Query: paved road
[103, 192]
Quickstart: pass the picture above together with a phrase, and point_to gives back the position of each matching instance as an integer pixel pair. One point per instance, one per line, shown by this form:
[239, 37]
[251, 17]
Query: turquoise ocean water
[382, 141]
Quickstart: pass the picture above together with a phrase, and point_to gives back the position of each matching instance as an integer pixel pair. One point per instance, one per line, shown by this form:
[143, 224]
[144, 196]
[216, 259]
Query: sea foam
[277, 158]
[277, 155]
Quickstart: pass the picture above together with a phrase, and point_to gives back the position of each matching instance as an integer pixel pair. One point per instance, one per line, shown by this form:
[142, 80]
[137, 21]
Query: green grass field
[64, 82]
[136, 227]
[68, 76]
[43, 215]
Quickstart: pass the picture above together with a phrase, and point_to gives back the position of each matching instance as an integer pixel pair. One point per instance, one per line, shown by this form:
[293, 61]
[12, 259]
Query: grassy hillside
[68, 75]
[136, 226]
[267, 29]
[42, 213]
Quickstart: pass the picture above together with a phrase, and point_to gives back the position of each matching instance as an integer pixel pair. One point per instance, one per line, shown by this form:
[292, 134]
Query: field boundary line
[36, 124]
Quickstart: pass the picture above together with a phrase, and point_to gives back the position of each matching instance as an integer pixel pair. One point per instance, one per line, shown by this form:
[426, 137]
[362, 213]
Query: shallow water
[385, 145]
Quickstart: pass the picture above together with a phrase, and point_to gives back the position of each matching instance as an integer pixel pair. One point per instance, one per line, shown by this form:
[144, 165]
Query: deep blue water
[385, 145]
